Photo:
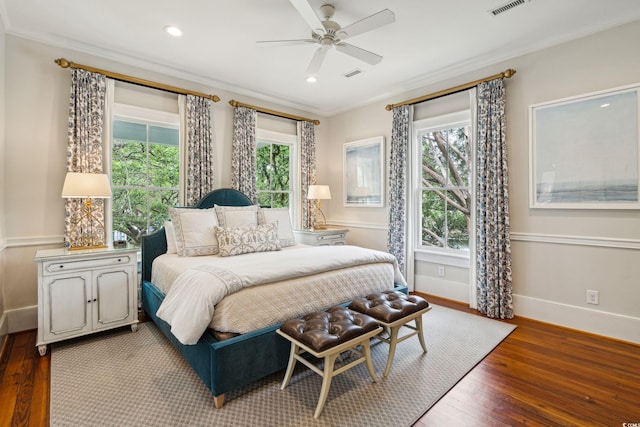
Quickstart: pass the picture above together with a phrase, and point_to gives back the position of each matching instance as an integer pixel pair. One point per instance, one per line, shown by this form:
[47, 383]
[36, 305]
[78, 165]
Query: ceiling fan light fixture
[174, 31]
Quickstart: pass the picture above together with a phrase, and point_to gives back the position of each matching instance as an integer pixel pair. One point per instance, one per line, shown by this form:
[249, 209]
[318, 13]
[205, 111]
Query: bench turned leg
[218, 401]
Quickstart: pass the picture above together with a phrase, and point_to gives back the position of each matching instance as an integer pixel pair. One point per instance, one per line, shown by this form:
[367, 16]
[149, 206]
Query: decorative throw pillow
[283, 219]
[171, 237]
[237, 216]
[244, 240]
[194, 231]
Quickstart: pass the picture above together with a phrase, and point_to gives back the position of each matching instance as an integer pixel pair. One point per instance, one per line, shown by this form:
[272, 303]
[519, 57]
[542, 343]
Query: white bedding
[202, 282]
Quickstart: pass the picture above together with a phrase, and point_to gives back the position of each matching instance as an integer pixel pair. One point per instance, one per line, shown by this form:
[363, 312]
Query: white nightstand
[82, 292]
[328, 237]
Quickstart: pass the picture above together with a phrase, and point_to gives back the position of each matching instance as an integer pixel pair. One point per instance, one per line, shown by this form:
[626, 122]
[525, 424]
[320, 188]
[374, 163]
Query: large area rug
[123, 378]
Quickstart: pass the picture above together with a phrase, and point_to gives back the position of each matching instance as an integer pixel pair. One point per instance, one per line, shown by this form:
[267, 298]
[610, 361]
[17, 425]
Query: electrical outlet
[441, 270]
[592, 297]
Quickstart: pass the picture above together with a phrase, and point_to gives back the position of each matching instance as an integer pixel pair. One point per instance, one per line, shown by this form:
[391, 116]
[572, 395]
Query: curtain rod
[506, 74]
[273, 112]
[124, 78]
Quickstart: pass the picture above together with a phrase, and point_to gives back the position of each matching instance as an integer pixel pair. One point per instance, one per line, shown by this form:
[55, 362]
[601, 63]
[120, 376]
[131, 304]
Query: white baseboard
[443, 288]
[22, 319]
[625, 328]
[4, 325]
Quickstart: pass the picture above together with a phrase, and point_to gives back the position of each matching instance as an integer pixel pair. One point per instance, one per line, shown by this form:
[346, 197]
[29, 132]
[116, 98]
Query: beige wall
[36, 137]
[557, 254]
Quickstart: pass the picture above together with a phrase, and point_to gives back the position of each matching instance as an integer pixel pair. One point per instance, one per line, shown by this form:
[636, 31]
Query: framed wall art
[584, 151]
[363, 165]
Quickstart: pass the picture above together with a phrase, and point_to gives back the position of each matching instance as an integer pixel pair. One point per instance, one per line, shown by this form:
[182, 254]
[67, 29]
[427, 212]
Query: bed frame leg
[218, 401]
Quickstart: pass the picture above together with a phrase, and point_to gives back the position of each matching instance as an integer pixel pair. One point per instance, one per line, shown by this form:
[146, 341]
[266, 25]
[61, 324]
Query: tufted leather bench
[326, 334]
[393, 310]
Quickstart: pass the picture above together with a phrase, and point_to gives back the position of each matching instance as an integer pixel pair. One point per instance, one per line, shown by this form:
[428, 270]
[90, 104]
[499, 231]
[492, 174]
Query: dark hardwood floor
[541, 375]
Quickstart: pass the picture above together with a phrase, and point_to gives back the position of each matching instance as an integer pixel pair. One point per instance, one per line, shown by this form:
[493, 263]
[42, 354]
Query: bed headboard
[155, 244]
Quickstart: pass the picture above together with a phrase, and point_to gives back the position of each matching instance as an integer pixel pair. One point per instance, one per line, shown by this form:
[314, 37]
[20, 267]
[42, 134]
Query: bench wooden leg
[420, 334]
[393, 340]
[367, 354]
[327, 375]
[290, 366]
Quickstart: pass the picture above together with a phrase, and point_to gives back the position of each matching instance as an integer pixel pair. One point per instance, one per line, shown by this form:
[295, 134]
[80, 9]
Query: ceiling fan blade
[358, 53]
[369, 23]
[307, 13]
[316, 61]
[273, 43]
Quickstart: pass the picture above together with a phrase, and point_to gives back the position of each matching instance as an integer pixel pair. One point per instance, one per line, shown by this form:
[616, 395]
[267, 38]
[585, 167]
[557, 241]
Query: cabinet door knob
[95, 299]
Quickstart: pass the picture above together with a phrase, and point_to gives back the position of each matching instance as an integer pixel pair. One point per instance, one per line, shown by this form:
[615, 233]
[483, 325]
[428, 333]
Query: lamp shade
[320, 192]
[81, 185]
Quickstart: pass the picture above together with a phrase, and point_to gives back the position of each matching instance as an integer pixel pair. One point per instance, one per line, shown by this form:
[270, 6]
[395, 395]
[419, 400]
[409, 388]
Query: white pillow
[245, 240]
[171, 238]
[283, 219]
[194, 231]
[237, 216]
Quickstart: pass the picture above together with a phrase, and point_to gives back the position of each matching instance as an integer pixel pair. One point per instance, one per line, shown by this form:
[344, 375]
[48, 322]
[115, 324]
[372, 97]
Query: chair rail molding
[604, 242]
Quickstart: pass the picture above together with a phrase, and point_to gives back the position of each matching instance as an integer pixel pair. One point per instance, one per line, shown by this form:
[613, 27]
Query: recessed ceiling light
[174, 31]
[605, 105]
[311, 79]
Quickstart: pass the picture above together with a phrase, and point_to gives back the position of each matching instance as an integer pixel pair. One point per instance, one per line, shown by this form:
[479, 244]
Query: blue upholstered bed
[225, 365]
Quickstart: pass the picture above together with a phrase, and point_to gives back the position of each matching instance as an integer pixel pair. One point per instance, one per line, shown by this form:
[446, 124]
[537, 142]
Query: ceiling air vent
[353, 73]
[500, 9]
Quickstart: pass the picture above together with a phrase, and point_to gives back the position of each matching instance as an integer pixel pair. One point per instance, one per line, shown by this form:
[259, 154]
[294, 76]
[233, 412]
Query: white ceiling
[430, 40]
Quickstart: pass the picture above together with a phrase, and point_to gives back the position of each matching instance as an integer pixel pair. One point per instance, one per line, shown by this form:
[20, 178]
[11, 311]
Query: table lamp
[86, 186]
[319, 193]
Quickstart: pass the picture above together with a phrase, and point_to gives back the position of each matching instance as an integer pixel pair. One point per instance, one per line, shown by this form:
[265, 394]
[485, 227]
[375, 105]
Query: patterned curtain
[400, 136]
[200, 149]
[492, 211]
[307, 133]
[84, 151]
[243, 156]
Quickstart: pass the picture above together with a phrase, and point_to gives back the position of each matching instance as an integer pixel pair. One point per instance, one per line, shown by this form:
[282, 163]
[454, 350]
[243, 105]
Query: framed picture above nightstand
[326, 237]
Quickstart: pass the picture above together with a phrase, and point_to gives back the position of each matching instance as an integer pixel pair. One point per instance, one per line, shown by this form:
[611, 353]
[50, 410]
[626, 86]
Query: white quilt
[189, 304]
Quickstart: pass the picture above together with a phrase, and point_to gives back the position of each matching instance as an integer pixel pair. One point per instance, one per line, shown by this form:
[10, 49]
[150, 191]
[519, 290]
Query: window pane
[164, 170]
[129, 209]
[272, 166]
[434, 159]
[273, 200]
[457, 222]
[159, 203]
[458, 149]
[433, 219]
[128, 163]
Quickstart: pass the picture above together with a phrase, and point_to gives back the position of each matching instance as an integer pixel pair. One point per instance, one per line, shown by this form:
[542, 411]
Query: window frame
[272, 137]
[449, 256]
[146, 116]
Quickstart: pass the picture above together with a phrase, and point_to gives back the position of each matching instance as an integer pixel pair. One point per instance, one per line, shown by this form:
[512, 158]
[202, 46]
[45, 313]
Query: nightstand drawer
[61, 267]
[335, 236]
[327, 237]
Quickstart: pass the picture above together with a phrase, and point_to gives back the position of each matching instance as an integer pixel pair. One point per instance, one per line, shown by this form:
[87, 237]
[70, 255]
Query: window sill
[443, 258]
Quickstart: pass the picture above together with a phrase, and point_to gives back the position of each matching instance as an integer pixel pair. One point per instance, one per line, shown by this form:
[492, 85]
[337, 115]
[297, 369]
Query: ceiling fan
[330, 34]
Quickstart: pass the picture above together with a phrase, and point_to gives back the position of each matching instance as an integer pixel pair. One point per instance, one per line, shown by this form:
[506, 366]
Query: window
[145, 178]
[443, 148]
[275, 166]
